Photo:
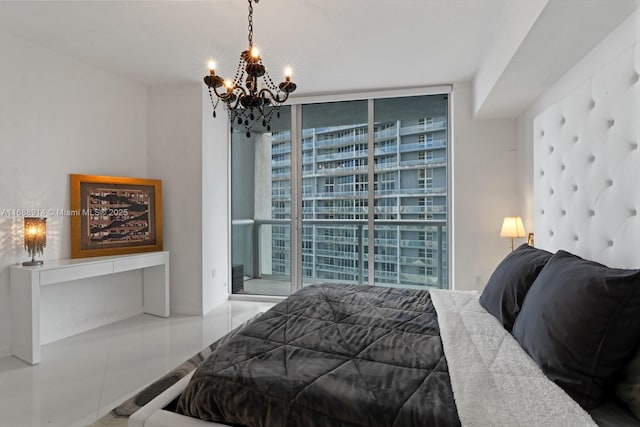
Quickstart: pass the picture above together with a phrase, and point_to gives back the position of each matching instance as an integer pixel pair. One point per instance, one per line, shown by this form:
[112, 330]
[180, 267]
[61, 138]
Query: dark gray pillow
[580, 322]
[628, 386]
[504, 293]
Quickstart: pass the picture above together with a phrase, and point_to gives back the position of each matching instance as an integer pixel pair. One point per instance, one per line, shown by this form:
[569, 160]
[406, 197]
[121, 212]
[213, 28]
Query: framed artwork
[530, 241]
[115, 215]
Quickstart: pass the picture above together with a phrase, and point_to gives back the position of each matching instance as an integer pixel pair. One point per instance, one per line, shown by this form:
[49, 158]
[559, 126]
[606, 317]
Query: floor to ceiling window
[334, 191]
[372, 200]
[261, 208]
[410, 190]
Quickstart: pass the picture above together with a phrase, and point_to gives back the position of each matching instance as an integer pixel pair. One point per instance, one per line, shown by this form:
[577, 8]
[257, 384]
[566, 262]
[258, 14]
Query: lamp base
[32, 263]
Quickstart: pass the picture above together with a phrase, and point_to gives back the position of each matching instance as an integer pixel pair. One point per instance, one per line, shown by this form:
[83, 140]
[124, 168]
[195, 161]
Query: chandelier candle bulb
[287, 74]
[212, 67]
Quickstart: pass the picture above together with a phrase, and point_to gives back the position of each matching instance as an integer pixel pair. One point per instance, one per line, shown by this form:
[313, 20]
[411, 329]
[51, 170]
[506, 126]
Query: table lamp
[35, 239]
[512, 227]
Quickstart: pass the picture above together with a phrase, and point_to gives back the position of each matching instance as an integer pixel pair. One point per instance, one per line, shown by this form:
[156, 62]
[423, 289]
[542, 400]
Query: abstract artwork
[115, 215]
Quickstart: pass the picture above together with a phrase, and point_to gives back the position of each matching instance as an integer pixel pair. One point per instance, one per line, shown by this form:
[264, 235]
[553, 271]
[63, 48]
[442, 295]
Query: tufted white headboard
[587, 167]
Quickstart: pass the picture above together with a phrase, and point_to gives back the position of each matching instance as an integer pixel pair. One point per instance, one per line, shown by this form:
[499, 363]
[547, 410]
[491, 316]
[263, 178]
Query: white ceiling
[332, 45]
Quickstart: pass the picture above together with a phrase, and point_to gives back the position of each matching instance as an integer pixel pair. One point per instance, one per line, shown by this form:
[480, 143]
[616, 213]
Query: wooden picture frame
[115, 215]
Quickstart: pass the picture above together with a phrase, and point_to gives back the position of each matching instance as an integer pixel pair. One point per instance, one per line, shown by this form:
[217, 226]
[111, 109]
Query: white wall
[215, 205]
[60, 116]
[484, 191]
[175, 157]
[514, 24]
[613, 45]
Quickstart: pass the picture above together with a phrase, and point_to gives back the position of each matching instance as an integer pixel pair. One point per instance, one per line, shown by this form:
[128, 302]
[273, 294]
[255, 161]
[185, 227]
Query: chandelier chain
[250, 24]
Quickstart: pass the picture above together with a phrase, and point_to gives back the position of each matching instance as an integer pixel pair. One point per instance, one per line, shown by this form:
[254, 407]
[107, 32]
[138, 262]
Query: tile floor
[83, 377]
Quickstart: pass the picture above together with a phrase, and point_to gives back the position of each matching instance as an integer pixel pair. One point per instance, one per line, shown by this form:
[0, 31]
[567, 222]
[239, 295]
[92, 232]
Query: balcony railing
[342, 140]
[343, 155]
[440, 161]
[280, 163]
[402, 192]
[420, 146]
[283, 149]
[353, 233]
[422, 209]
[427, 127]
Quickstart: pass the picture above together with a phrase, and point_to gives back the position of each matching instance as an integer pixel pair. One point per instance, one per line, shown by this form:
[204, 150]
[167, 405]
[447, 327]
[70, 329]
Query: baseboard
[187, 310]
[255, 298]
[216, 303]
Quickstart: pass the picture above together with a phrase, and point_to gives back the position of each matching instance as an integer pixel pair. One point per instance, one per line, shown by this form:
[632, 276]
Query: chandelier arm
[265, 90]
[275, 97]
[223, 95]
[238, 97]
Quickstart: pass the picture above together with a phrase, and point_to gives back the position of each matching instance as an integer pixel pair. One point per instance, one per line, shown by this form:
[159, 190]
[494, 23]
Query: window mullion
[371, 193]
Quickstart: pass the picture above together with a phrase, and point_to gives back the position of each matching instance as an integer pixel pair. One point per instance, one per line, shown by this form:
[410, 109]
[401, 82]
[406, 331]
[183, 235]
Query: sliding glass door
[411, 191]
[334, 192]
[369, 201]
[261, 208]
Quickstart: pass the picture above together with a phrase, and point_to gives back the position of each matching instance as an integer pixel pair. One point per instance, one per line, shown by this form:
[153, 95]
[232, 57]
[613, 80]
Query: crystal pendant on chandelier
[252, 91]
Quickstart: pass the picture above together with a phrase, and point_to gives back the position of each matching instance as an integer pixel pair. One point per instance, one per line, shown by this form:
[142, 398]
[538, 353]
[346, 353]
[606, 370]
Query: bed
[544, 344]
[350, 355]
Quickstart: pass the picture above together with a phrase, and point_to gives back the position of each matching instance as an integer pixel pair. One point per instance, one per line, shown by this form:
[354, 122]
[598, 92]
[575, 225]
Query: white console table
[26, 283]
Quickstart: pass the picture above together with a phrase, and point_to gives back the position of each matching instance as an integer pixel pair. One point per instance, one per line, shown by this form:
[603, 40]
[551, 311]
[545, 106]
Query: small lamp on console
[512, 227]
[35, 239]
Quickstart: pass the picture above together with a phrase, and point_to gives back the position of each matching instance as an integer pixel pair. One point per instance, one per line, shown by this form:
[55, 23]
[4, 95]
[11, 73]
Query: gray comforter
[330, 355]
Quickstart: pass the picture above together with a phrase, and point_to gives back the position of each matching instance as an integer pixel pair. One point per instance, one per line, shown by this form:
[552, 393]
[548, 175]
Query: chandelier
[251, 91]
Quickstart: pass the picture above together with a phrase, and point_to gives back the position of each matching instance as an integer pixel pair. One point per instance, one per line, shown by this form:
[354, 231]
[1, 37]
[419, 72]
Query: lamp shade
[512, 227]
[35, 238]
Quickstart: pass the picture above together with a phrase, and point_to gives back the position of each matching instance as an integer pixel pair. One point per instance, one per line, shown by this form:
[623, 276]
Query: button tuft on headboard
[591, 212]
[611, 122]
[576, 138]
[563, 121]
[575, 238]
[633, 212]
[563, 212]
[551, 149]
[563, 167]
[609, 183]
[634, 145]
[575, 187]
[592, 158]
[609, 243]
[592, 104]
